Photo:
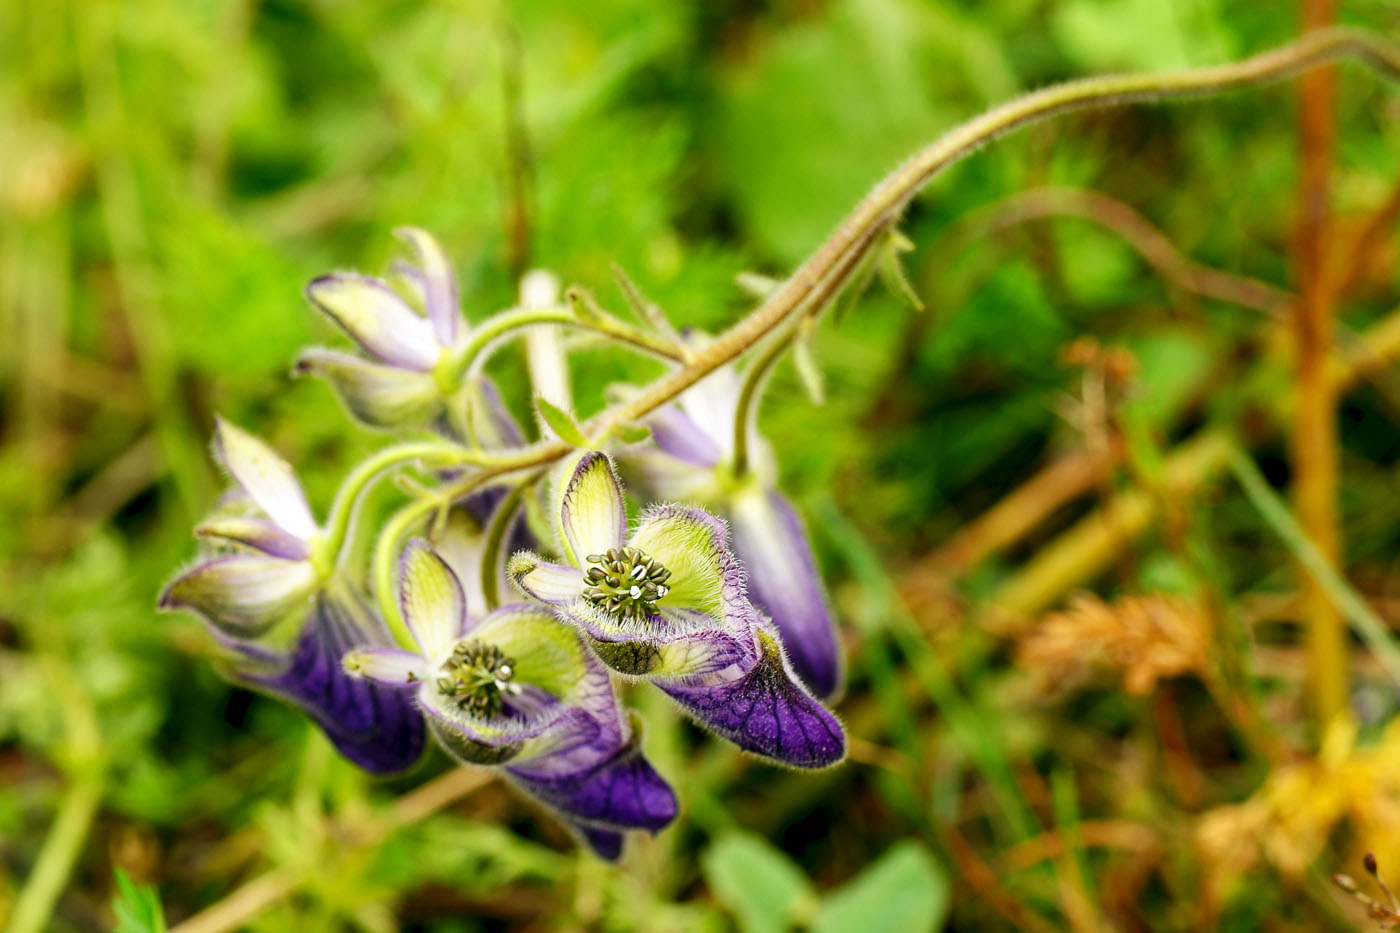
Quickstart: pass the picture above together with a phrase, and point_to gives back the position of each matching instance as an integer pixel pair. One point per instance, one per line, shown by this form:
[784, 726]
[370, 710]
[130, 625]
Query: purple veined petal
[622, 792]
[439, 284]
[379, 728]
[432, 600]
[694, 546]
[555, 584]
[592, 513]
[607, 844]
[679, 435]
[377, 318]
[772, 543]
[376, 394]
[267, 479]
[243, 594]
[391, 667]
[765, 711]
[257, 533]
[675, 643]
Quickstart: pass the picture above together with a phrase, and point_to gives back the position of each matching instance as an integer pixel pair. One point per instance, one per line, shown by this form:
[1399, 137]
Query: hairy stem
[889, 197]
[479, 342]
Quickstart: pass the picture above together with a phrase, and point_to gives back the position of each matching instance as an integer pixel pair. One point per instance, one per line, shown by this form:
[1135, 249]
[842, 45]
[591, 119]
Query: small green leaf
[892, 269]
[584, 305]
[137, 907]
[632, 433]
[757, 285]
[905, 890]
[761, 885]
[560, 422]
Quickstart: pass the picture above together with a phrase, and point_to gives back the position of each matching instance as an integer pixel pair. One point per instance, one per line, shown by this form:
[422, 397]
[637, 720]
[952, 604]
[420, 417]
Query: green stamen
[477, 676]
[625, 581]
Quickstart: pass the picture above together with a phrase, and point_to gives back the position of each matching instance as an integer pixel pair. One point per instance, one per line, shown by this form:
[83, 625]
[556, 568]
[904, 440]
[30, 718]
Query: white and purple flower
[518, 689]
[690, 461]
[405, 381]
[268, 597]
[668, 603]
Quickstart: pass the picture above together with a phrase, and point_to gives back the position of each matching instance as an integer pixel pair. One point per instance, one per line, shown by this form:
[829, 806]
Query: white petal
[592, 514]
[377, 394]
[243, 594]
[557, 584]
[432, 600]
[380, 320]
[387, 665]
[266, 477]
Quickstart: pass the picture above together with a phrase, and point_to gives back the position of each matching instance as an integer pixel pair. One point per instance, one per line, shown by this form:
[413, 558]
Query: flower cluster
[502, 627]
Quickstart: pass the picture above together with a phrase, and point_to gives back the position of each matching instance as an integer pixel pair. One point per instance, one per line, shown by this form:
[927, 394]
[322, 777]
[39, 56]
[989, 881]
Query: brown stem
[1314, 436]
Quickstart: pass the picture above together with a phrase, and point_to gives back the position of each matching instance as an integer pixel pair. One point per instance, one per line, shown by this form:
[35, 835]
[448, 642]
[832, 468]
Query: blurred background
[1081, 692]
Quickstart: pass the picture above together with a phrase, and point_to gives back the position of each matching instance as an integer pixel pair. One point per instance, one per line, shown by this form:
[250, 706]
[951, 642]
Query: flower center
[625, 581]
[476, 677]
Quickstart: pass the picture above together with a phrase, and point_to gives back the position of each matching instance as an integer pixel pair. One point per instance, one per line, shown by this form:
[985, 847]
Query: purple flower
[668, 604]
[695, 438]
[400, 385]
[518, 689]
[269, 602]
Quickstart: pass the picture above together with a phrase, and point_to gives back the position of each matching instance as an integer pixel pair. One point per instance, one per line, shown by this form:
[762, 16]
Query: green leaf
[560, 422]
[905, 890]
[761, 885]
[137, 907]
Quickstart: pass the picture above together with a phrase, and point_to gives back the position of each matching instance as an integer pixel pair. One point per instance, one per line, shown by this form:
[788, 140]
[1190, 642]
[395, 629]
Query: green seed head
[625, 581]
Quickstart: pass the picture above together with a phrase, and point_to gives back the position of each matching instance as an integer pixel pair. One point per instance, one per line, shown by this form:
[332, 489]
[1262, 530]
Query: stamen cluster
[625, 581]
[477, 676]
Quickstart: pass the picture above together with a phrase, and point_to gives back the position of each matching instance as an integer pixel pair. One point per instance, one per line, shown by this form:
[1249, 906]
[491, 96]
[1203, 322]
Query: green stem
[386, 549]
[1348, 602]
[353, 487]
[889, 198]
[61, 847]
[501, 522]
[493, 329]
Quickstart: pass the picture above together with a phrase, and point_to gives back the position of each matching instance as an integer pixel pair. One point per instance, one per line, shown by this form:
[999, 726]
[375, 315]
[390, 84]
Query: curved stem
[889, 197]
[354, 485]
[386, 548]
[479, 341]
[501, 521]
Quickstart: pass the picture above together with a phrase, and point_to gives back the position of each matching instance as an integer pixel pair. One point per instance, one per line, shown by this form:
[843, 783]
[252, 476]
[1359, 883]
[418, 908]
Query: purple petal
[257, 533]
[549, 729]
[765, 711]
[622, 792]
[439, 284]
[377, 394]
[377, 318]
[783, 581]
[379, 728]
[680, 436]
[605, 843]
[675, 643]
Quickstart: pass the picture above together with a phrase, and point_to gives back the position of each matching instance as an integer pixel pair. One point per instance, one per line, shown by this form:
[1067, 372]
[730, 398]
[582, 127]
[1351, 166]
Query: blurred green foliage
[173, 173]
